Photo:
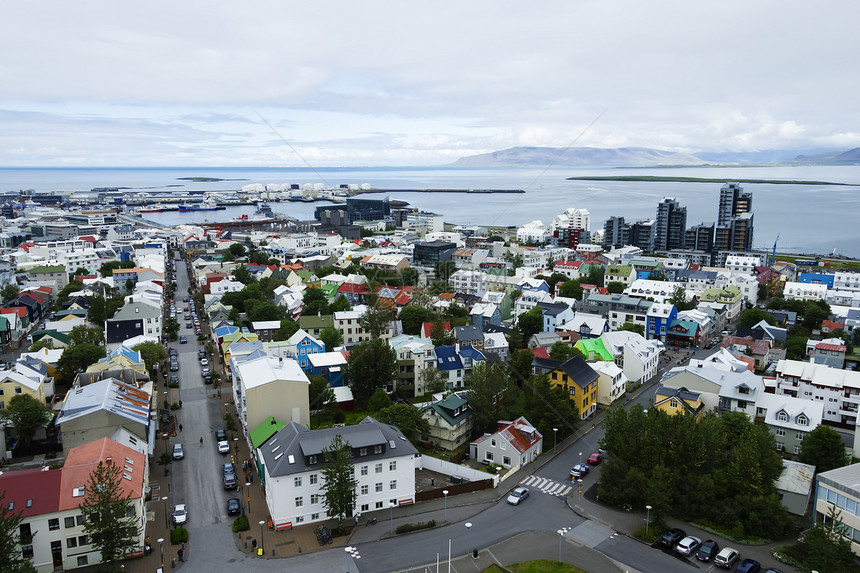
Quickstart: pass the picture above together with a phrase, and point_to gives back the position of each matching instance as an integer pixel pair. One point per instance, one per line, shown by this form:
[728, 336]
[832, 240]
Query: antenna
[299, 155]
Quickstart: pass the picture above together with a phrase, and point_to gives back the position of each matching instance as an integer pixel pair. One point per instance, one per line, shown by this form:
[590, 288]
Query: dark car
[749, 566]
[230, 481]
[671, 538]
[183, 339]
[189, 325]
[172, 352]
[207, 379]
[708, 551]
[233, 506]
[174, 379]
[201, 353]
[220, 435]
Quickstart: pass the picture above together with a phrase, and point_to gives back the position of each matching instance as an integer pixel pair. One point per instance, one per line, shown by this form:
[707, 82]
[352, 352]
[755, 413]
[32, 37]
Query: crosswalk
[547, 486]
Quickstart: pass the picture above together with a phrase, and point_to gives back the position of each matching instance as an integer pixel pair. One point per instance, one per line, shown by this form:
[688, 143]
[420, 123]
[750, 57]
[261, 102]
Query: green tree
[431, 380]
[314, 302]
[339, 485]
[106, 270]
[320, 394]
[10, 540]
[63, 295]
[444, 269]
[97, 313]
[407, 418]
[753, 316]
[375, 321]
[371, 364]
[339, 304]
[412, 317]
[823, 448]
[262, 310]
[83, 334]
[487, 385]
[171, 327]
[615, 287]
[520, 365]
[531, 322]
[409, 277]
[571, 289]
[76, 359]
[152, 354]
[288, 328]
[563, 351]
[331, 337]
[44, 343]
[26, 414]
[379, 401]
[109, 515]
[631, 327]
[679, 300]
[826, 545]
[243, 275]
[10, 292]
[440, 336]
[237, 250]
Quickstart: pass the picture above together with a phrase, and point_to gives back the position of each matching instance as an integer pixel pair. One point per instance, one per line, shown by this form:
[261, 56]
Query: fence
[454, 470]
[454, 489]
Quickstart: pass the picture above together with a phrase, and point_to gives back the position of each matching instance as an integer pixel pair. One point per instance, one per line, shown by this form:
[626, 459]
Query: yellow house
[580, 382]
[13, 383]
[675, 401]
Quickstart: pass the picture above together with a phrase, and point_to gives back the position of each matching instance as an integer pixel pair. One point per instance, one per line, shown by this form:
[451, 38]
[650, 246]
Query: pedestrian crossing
[547, 486]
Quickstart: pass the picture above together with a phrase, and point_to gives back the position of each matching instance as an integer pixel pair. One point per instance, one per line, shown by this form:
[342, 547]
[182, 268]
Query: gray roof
[846, 478]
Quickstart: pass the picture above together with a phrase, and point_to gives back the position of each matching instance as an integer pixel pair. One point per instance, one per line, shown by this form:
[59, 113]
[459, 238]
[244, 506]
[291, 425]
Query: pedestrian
[180, 427]
[180, 404]
[251, 479]
[181, 555]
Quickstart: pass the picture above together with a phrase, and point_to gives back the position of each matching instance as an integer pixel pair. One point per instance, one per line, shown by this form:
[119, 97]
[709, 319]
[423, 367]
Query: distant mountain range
[647, 157]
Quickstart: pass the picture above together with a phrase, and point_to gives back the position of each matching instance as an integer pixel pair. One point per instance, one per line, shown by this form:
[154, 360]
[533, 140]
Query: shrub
[241, 524]
[408, 527]
[173, 384]
[178, 535]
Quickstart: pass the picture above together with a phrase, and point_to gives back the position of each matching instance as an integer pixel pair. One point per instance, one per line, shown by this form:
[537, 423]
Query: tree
[262, 310]
[753, 316]
[339, 304]
[376, 321]
[631, 327]
[83, 334]
[97, 313]
[371, 364]
[331, 337]
[314, 302]
[444, 269]
[26, 414]
[409, 277]
[243, 275]
[487, 384]
[10, 292]
[563, 351]
[407, 418]
[320, 394]
[679, 300]
[412, 317]
[615, 287]
[520, 365]
[106, 270]
[152, 353]
[339, 485]
[171, 326]
[432, 380]
[379, 401]
[10, 539]
[823, 448]
[439, 335]
[109, 515]
[237, 250]
[288, 328]
[531, 322]
[571, 289]
[75, 359]
[826, 545]
[44, 343]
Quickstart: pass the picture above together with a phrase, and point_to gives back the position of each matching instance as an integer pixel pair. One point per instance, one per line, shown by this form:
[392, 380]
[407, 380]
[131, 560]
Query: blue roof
[132, 355]
[471, 352]
[447, 358]
[224, 330]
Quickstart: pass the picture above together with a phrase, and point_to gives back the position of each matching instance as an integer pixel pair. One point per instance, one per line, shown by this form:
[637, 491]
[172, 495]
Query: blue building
[817, 279]
[658, 320]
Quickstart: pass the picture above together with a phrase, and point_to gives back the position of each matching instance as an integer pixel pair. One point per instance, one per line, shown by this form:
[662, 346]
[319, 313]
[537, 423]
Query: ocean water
[808, 218]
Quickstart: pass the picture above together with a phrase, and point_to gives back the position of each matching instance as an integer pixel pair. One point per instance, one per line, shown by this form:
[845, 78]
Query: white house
[383, 461]
[611, 381]
[804, 291]
[635, 355]
[513, 444]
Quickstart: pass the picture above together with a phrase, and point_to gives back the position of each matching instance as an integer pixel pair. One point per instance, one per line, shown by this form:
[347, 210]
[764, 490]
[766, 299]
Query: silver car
[518, 495]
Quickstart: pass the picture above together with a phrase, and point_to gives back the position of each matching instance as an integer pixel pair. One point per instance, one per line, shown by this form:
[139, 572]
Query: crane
[773, 254]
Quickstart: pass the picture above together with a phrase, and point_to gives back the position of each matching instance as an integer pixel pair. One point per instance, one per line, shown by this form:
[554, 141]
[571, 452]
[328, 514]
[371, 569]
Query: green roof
[730, 293]
[55, 334]
[47, 269]
[313, 321]
[595, 345]
[267, 428]
[620, 270]
[640, 263]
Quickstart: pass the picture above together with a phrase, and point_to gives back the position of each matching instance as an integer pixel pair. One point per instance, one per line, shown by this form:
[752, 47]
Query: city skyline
[343, 84]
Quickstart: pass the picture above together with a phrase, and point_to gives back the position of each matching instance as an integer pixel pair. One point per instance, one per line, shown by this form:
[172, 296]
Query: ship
[205, 206]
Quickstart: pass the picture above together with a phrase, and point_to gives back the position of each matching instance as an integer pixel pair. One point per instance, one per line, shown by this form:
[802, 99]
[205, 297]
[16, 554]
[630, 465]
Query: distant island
[700, 180]
[207, 179]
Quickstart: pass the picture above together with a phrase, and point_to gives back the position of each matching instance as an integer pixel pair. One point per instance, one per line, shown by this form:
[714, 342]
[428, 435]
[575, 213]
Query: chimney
[109, 461]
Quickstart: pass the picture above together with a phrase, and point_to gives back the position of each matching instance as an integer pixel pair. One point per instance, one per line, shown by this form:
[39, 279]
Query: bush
[655, 530]
[408, 527]
[241, 524]
[173, 384]
[178, 535]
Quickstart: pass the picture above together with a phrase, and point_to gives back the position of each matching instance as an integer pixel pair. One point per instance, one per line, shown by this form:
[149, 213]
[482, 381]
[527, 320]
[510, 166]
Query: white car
[180, 514]
[204, 362]
[223, 447]
[688, 545]
[519, 494]
[178, 453]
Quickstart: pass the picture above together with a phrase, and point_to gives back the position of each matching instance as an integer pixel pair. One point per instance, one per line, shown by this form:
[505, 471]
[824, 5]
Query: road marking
[547, 486]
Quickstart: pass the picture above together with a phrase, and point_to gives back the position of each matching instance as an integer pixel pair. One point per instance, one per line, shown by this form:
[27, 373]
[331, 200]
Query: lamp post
[391, 505]
[468, 527]
[262, 552]
[647, 519]
[580, 457]
[561, 533]
[445, 495]
[579, 489]
[236, 445]
[554, 438]
[161, 550]
[248, 495]
[166, 519]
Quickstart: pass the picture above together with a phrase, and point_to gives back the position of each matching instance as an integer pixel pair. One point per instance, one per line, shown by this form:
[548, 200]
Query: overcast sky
[188, 83]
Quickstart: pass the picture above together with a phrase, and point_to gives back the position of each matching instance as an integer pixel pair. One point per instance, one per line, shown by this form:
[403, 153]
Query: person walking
[180, 427]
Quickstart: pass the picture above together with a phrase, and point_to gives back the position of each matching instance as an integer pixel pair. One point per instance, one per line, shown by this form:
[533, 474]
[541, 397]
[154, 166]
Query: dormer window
[782, 416]
[802, 420]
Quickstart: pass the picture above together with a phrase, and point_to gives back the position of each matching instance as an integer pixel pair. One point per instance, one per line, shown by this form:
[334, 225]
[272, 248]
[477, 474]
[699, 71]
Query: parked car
[172, 352]
[671, 538]
[204, 362]
[174, 365]
[178, 453]
[220, 435]
[726, 558]
[198, 331]
[180, 514]
[201, 353]
[183, 339]
[205, 371]
[749, 566]
[230, 481]
[207, 379]
[688, 545]
[174, 379]
[594, 458]
[233, 507]
[518, 495]
[189, 325]
[579, 471]
[223, 447]
[708, 551]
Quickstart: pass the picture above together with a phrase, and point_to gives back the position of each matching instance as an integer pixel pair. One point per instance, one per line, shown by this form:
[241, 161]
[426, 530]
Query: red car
[594, 459]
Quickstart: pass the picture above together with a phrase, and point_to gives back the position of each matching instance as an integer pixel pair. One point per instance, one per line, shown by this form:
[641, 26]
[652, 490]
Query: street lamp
[561, 533]
[580, 457]
[391, 505]
[647, 519]
[161, 550]
[166, 519]
[445, 494]
[248, 498]
[579, 489]
[554, 438]
[468, 527]
[262, 552]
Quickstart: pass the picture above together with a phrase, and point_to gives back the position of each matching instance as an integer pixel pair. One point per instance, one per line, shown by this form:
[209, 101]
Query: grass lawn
[540, 566]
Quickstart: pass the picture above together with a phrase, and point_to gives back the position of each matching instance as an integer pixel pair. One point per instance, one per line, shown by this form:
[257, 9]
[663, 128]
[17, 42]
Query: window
[364, 470]
[502, 444]
[377, 449]
[493, 443]
[673, 403]
[782, 417]
[797, 449]
[300, 519]
[488, 456]
[364, 490]
[82, 560]
[780, 446]
[392, 484]
[53, 524]
[69, 522]
[300, 501]
[506, 460]
[315, 516]
[362, 451]
[83, 540]
[379, 487]
[800, 435]
[378, 504]
[71, 542]
[79, 519]
[392, 466]
[297, 481]
[313, 479]
[17, 389]
[780, 431]
[377, 468]
[315, 498]
[27, 551]
[802, 420]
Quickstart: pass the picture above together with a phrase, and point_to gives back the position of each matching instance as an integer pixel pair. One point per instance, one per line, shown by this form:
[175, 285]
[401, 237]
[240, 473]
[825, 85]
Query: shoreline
[658, 178]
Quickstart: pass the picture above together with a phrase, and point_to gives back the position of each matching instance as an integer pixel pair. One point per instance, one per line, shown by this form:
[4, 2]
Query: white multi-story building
[743, 263]
[747, 284]
[846, 280]
[383, 469]
[804, 291]
[638, 357]
[470, 282]
[533, 232]
[657, 291]
[838, 390]
[265, 386]
[611, 381]
[573, 218]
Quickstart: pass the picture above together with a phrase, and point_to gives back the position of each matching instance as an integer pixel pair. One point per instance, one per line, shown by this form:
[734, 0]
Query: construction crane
[773, 253]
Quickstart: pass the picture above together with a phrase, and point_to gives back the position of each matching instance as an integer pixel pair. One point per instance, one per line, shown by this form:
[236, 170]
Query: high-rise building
[613, 233]
[641, 234]
[734, 201]
[670, 225]
[734, 231]
[700, 237]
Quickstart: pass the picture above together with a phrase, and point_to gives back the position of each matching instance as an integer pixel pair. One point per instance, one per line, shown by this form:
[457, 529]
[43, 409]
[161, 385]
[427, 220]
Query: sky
[335, 83]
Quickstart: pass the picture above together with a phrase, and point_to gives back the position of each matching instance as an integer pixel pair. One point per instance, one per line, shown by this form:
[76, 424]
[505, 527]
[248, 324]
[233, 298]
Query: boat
[153, 209]
[205, 206]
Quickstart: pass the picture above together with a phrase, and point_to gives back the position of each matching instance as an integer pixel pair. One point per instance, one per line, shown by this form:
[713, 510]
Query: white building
[611, 382]
[533, 232]
[804, 291]
[743, 263]
[638, 357]
[658, 291]
[470, 282]
[383, 461]
[838, 390]
[846, 280]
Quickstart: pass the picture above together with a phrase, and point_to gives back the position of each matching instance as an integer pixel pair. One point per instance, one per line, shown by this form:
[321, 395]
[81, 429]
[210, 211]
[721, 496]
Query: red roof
[540, 352]
[82, 460]
[352, 288]
[832, 325]
[569, 264]
[87, 238]
[41, 489]
[833, 347]
[19, 310]
[427, 328]
[26, 246]
[47, 289]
